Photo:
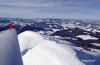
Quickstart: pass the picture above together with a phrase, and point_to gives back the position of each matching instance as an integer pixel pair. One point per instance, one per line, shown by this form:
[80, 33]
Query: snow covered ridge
[45, 52]
[28, 40]
[9, 48]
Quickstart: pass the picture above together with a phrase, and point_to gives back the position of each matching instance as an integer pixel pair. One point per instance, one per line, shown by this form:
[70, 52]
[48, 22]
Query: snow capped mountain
[57, 41]
[45, 52]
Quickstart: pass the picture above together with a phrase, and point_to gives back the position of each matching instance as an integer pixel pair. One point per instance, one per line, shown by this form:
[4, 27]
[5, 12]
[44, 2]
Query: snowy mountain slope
[86, 37]
[62, 31]
[9, 48]
[48, 52]
[87, 57]
[45, 52]
[28, 40]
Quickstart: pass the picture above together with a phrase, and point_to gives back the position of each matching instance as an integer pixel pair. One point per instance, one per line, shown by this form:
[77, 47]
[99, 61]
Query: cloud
[26, 4]
[50, 8]
[42, 3]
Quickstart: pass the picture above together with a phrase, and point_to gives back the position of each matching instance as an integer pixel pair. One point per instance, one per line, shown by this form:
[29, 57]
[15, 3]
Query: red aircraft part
[11, 26]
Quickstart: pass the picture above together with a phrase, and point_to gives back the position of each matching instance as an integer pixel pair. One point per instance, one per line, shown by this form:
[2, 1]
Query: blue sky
[77, 9]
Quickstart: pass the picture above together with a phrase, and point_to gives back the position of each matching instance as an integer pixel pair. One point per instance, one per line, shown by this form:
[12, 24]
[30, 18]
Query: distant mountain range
[82, 33]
